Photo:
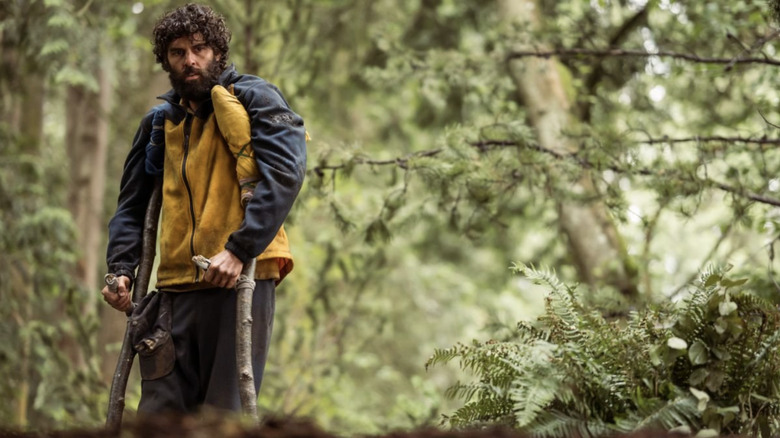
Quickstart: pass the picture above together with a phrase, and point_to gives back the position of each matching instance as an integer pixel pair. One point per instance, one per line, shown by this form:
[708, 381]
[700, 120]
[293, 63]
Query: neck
[193, 105]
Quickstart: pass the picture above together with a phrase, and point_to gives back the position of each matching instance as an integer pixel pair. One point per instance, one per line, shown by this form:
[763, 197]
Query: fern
[571, 372]
[680, 411]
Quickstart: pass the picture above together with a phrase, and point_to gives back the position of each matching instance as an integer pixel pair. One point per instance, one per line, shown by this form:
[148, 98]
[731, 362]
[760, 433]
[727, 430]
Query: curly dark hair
[187, 21]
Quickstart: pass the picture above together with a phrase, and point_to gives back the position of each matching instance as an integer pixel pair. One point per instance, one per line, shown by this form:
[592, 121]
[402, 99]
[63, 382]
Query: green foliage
[426, 177]
[708, 363]
[44, 328]
[425, 166]
[774, 9]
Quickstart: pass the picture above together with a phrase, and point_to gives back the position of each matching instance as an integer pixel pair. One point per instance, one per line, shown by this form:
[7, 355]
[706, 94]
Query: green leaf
[720, 325]
[702, 397]
[721, 353]
[727, 307]
[62, 20]
[676, 343]
[712, 280]
[715, 380]
[731, 283]
[53, 47]
[698, 376]
[698, 354]
[655, 355]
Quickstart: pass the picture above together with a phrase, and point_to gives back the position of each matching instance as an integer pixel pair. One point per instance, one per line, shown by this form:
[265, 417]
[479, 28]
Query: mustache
[191, 70]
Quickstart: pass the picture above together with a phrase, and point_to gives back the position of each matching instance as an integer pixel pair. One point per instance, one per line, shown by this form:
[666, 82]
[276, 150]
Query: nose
[189, 58]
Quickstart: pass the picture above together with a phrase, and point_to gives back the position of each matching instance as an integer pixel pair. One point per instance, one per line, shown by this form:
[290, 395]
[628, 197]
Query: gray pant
[204, 337]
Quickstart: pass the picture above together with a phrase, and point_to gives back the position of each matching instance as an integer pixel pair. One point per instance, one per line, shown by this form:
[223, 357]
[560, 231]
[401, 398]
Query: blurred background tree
[625, 143]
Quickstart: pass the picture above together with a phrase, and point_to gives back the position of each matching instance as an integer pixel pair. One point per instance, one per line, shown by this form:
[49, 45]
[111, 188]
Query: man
[204, 211]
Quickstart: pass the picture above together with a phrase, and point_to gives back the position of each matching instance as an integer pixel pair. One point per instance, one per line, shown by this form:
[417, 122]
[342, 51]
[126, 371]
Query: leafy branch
[587, 164]
[485, 145]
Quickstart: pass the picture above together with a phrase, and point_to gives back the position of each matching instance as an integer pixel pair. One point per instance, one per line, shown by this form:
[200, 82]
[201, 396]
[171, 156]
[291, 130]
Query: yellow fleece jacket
[209, 174]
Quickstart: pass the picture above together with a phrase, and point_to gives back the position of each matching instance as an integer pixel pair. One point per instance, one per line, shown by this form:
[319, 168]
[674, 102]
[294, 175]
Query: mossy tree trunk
[592, 237]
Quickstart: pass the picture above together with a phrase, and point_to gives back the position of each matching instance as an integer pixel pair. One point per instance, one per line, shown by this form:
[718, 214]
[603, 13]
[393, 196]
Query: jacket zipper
[187, 128]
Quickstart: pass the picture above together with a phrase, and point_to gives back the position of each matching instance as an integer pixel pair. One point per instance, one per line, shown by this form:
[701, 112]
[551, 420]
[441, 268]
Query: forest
[558, 216]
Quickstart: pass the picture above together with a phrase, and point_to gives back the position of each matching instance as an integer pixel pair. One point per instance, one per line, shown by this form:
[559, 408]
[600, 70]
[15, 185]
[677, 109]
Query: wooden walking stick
[245, 288]
[116, 398]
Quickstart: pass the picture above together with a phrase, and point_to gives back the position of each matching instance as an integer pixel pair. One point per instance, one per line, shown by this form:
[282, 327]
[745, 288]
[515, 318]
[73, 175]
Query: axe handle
[116, 398]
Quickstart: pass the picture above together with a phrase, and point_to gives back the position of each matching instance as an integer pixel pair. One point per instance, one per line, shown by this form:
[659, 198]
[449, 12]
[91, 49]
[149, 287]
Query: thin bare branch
[624, 53]
[401, 162]
[648, 172]
[713, 139]
[487, 144]
[767, 121]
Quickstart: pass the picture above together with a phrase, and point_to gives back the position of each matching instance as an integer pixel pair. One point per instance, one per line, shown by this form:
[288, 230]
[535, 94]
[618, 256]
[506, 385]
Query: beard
[196, 90]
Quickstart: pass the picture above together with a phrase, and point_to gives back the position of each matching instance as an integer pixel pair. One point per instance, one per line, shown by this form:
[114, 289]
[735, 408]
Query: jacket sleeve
[125, 229]
[279, 143]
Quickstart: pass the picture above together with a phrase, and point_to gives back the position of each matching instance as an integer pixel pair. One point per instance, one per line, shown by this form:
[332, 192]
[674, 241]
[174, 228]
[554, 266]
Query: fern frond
[573, 373]
[494, 411]
[465, 392]
[682, 410]
[542, 276]
[563, 424]
[442, 355]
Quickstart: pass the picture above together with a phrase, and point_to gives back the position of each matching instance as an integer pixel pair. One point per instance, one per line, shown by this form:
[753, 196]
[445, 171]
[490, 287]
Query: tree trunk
[87, 143]
[594, 243]
[22, 91]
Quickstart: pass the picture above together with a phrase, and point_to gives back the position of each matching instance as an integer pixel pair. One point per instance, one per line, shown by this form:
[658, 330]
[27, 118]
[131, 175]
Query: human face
[194, 68]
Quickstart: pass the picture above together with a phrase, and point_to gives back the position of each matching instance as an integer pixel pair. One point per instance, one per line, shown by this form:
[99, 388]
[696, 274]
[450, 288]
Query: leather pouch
[150, 327]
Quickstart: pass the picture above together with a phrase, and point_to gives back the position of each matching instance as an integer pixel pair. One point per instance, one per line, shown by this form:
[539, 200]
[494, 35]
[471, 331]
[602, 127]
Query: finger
[209, 275]
[112, 301]
[109, 297]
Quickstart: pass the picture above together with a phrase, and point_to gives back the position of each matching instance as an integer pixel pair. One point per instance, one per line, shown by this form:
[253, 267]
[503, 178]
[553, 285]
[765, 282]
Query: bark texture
[87, 144]
[246, 381]
[595, 246]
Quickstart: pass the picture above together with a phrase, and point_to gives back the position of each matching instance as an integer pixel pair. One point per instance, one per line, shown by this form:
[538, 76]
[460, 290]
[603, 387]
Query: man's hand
[224, 270]
[121, 299]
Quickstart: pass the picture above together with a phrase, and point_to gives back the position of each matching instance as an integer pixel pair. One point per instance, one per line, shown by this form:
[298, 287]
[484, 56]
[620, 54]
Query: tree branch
[598, 53]
[401, 162]
[597, 74]
[486, 145]
[642, 171]
[713, 139]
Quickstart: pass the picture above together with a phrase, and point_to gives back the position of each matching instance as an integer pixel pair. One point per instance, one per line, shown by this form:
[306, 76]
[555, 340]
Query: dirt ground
[221, 427]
